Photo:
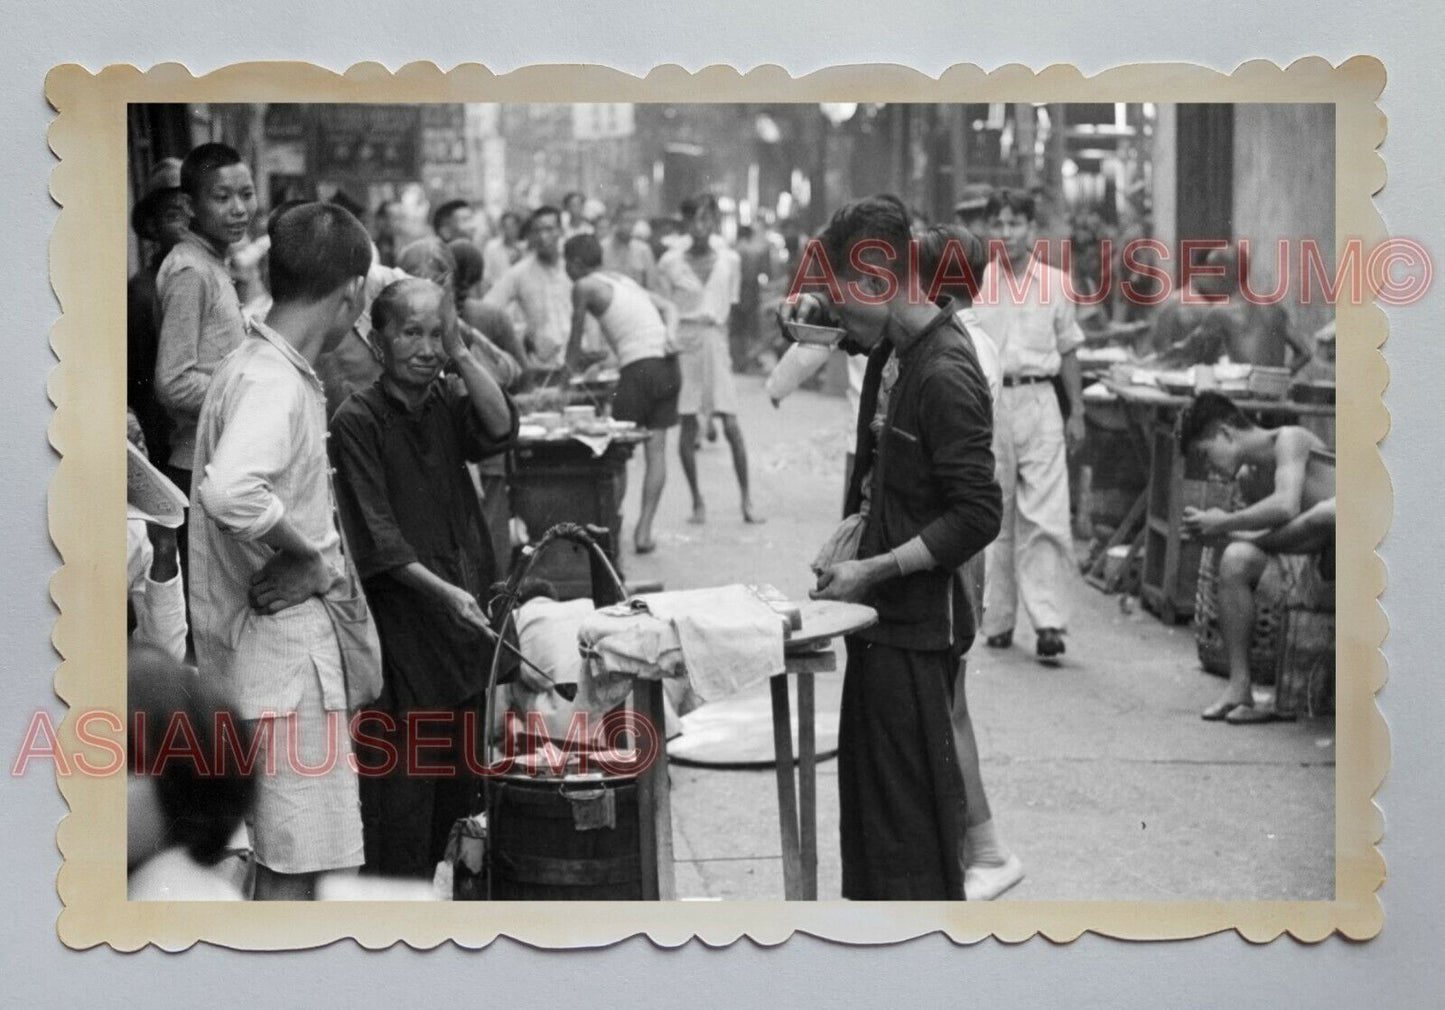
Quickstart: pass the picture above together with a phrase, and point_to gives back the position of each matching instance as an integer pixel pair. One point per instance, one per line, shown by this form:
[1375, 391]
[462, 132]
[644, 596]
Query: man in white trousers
[1024, 307]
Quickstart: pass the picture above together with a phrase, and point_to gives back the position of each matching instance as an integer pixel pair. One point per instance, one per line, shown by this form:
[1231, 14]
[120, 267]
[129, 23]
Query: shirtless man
[1234, 324]
[1289, 476]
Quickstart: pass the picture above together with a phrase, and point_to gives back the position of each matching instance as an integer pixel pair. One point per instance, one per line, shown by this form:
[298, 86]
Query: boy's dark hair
[203, 800]
[967, 255]
[693, 204]
[574, 195]
[343, 199]
[202, 161]
[470, 265]
[316, 248]
[1016, 200]
[538, 214]
[585, 249]
[443, 214]
[1206, 415]
[148, 212]
[874, 218]
[745, 231]
[280, 209]
[502, 218]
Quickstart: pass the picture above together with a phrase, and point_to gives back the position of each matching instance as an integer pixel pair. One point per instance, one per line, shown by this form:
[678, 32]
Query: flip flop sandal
[1248, 715]
[1219, 711]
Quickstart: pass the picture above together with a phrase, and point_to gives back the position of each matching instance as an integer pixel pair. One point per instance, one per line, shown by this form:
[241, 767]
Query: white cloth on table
[725, 639]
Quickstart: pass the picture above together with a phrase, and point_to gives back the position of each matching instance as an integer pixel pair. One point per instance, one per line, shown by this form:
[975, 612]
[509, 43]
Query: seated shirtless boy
[1288, 475]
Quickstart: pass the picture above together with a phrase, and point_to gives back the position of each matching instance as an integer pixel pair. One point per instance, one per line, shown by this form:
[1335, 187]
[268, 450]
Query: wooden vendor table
[806, 652]
[559, 479]
[1153, 524]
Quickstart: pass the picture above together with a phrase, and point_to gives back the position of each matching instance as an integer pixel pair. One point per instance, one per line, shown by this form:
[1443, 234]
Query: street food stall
[573, 825]
[570, 465]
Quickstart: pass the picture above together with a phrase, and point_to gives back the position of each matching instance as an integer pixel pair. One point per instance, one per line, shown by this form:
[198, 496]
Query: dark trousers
[900, 793]
[406, 817]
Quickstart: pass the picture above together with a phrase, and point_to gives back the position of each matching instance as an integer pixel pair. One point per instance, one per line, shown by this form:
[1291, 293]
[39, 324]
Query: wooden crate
[1171, 564]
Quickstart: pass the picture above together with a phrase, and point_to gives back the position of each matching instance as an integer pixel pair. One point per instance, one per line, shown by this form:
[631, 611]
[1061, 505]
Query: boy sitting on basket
[1289, 477]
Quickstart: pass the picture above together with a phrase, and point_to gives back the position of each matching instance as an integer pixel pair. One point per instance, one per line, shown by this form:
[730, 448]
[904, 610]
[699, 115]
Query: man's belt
[1023, 380]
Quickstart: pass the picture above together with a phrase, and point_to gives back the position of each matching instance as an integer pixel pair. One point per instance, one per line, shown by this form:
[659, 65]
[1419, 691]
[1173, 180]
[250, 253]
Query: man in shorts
[639, 326]
[265, 549]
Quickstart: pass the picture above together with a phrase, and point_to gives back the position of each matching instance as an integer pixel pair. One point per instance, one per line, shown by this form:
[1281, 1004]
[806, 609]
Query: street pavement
[1101, 775]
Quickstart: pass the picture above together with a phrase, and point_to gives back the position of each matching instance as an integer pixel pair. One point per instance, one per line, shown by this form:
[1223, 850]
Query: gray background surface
[1400, 968]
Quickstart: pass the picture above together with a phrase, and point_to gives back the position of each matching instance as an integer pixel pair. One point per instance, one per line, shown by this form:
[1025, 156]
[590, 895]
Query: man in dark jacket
[925, 484]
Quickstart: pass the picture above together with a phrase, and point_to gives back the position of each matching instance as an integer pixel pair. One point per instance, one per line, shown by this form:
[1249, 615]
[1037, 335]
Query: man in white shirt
[265, 549]
[538, 284]
[1037, 337]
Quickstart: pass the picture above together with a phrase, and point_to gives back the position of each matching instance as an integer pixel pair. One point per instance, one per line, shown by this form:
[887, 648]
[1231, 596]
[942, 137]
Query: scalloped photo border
[86, 509]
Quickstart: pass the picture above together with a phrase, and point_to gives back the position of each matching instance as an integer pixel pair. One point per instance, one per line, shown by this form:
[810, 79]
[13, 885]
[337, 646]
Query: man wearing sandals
[1289, 476]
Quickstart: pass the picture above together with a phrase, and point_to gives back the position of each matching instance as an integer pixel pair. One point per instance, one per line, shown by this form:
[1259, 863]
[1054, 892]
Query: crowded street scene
[731, 502]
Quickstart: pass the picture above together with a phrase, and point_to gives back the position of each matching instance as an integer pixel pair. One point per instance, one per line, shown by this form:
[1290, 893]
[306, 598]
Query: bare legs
[687, 450]
[654, 478]
[740, 465]
[1241, 564]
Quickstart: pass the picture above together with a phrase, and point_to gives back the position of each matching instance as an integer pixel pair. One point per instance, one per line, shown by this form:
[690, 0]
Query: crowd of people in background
[337, 404]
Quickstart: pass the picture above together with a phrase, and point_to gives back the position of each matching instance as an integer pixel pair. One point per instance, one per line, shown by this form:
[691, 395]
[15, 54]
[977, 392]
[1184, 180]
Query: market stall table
[807, 652]
[561, 477]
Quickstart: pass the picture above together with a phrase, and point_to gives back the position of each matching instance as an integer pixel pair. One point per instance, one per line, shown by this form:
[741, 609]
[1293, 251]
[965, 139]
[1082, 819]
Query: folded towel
[619, 643]
[723, 640]
[730, 638]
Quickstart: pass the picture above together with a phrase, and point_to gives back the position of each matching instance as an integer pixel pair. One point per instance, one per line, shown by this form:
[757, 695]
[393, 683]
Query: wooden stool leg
[808, 787]
[787, 790]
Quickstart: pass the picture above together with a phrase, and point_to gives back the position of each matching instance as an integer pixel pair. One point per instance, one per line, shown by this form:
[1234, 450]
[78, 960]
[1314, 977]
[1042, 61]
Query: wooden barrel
[570, 838]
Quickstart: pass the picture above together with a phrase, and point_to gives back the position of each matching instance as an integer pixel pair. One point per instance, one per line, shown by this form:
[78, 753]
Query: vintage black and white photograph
[731, 502]
[719, 505]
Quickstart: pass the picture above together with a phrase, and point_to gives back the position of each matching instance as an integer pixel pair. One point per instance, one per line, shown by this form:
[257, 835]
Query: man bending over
[1288, 476]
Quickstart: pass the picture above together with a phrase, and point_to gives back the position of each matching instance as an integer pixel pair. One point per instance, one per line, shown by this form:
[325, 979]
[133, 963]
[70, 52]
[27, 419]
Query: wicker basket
[1293, 646]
